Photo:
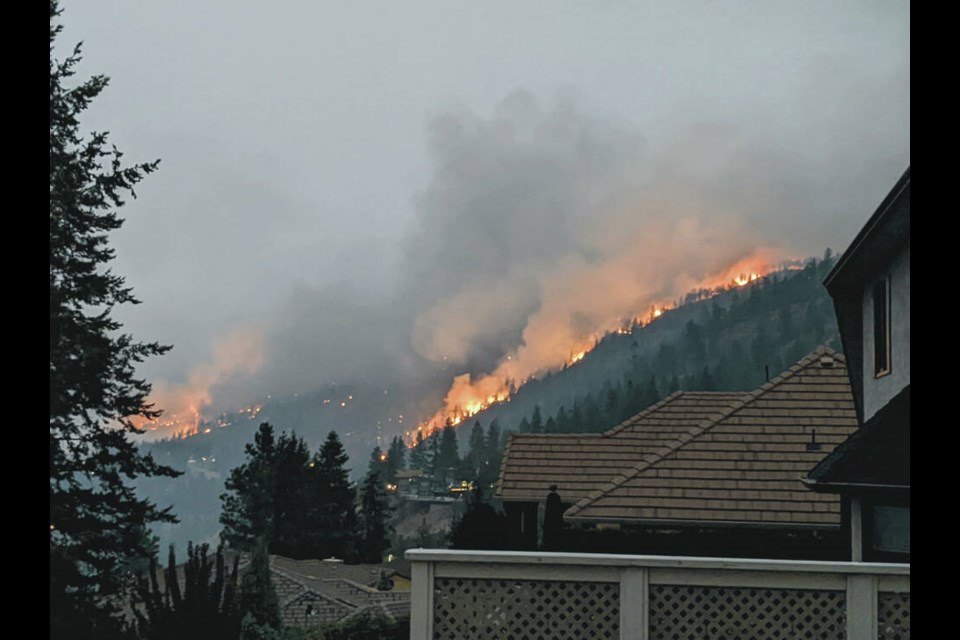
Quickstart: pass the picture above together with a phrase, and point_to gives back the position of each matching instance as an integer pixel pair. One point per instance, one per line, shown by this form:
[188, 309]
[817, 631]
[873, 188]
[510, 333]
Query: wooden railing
[502, 594]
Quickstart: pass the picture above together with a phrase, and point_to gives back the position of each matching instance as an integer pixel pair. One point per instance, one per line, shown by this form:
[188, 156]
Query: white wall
[878, 391]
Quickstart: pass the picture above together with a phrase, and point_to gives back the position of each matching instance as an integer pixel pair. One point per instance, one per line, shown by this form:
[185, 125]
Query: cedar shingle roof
[744, 465]
[583, 463]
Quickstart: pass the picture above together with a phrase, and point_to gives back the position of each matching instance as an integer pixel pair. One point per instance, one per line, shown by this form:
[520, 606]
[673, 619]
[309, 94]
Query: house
[704, 462]
[315, 593]
[700, 473]
[870, 287]
[312, 593]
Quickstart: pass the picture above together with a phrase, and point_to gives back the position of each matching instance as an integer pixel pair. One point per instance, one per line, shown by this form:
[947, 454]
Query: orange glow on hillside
[468, 396]
[240, 351]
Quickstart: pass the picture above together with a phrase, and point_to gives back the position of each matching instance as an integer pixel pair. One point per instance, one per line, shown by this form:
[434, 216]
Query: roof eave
[885, 207]
[849, 487]
[664, 522]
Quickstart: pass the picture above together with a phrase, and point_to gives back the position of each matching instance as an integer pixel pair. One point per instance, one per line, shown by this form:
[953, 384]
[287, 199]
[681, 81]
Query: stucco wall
[878, 391]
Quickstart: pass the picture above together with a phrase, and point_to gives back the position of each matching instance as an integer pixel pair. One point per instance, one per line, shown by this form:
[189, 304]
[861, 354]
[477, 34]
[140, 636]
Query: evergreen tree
[433, 452]
[272, 497]
[493, 438]
[334, 516]
[536, 421]
[374, 514]
[205, 610]
[448, 451]
[611, 408]
[292, 498]
[417, 458]
[477, 456]
[395, 459]
[96, 519]
[378, 462]
[576, 418]
[258, 597]
[247, 513]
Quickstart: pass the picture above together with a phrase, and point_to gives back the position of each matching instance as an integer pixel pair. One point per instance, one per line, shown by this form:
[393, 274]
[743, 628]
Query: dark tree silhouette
[374, 514]
[481, 526]
[259, 606]
[205, 610]
[333, 516]
[97, 522]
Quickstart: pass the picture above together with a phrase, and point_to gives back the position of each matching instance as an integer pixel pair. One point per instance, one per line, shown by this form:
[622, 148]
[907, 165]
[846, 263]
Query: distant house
[700, 473]
[870, 287]
[312, 593]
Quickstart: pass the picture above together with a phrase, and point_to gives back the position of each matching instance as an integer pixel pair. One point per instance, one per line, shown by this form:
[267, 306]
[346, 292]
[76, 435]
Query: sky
[371, 189]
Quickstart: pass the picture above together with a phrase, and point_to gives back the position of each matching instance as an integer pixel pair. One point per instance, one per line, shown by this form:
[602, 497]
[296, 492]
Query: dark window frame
[882, 352]
[870, 552]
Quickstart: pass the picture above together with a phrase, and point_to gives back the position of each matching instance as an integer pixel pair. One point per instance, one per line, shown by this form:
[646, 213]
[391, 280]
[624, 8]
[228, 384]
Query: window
[881, 328]
[891, 529]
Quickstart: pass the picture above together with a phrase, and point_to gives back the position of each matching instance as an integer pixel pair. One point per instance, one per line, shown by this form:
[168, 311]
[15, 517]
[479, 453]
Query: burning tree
[97, 523]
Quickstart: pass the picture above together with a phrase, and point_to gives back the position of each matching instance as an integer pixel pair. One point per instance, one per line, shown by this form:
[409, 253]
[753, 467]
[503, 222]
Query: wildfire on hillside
[468, 396]
[240, 351]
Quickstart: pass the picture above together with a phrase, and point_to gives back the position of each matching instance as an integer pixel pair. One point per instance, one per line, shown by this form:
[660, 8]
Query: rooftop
[700, 457]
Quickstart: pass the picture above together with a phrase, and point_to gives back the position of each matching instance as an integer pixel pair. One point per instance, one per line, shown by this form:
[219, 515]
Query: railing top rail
[547, 558]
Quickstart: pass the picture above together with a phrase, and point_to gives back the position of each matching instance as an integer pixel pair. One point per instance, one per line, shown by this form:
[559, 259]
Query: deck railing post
[634, 603]
[421, 600]
[861, 607]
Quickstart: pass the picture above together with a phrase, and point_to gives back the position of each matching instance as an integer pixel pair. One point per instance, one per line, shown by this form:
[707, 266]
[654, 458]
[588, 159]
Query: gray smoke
[544, 223]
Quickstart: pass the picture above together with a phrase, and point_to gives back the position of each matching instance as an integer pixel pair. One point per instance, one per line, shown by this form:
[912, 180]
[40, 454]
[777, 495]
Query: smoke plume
[542, 226]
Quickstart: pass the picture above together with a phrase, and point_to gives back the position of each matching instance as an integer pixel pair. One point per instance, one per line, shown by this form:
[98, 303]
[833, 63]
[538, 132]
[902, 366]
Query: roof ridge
[306, 588]
[655, 456]
[642, 414]
[699, 430]
[553, 434]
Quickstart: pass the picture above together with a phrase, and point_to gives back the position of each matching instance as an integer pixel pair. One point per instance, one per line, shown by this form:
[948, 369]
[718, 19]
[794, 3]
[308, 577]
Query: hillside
[725, 341]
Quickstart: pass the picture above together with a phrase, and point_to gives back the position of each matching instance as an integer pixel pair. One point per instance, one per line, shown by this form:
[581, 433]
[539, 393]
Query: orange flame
[468, 396]
[240, 351]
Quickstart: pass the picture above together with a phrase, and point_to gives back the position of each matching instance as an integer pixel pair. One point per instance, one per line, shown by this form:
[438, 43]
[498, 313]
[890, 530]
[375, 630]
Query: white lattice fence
[491, 594]
[893, 613]
[679, 612]
[531, 609]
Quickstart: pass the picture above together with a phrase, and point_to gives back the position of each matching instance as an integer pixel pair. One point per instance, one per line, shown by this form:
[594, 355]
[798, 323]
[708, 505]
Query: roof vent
[333, 560]
[813, 445]
[827, 361]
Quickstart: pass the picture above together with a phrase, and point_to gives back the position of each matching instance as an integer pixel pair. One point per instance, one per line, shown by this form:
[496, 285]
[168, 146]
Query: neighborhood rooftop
[701, 457]
[583, 463]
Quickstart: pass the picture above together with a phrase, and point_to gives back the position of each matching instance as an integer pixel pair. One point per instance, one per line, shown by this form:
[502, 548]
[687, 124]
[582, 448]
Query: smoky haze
[436, 190]
[541, 225]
